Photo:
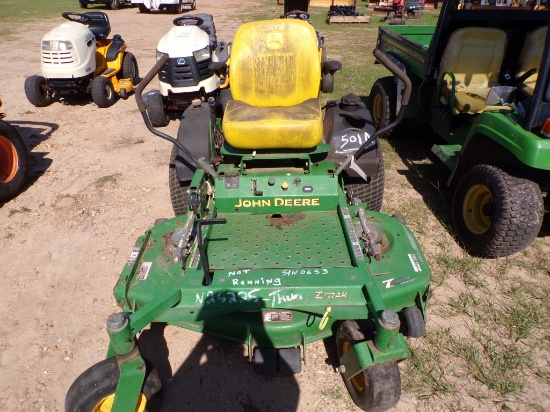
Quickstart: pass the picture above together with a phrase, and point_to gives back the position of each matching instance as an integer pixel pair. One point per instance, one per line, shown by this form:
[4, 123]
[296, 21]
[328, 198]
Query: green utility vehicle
[481, 79]
[272, 252]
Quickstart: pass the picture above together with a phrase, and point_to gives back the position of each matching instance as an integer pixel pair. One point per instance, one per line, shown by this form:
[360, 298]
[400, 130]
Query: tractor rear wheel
[376, 388]
[95, 389]
[157, 111]
[496, 214]
[36, 90]
[179, 190]
[383, 103]
[130, 68]
[115, 4]
[103, 92]
[372, 192]
[143, 9]
[13, 161]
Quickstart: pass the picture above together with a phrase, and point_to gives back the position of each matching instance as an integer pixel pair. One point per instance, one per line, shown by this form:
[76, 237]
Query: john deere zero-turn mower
[13, 160]
[77, 57]
[271, 252]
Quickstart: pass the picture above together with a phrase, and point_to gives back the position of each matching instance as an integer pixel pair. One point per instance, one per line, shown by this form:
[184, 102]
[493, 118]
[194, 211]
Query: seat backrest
[474, 55]
[275, 63]
[99, 24]
[531, 56]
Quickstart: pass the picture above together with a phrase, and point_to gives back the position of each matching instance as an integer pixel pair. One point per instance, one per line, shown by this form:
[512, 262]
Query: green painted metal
[447, 153]
[132, 375]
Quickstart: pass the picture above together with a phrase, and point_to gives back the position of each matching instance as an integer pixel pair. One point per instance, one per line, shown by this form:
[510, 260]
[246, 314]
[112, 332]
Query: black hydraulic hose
[143, 109]
[388, 64]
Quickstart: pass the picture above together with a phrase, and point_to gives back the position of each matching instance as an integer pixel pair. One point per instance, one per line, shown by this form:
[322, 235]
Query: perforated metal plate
[303, 240]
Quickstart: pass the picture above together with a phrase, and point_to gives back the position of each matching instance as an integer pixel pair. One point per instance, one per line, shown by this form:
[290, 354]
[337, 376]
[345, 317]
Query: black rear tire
[13, 161]
[372, 192]
[103, 92]
[115, 4]
[383, 103]
[496, 214]
[157, 111]
[377, 388]
[130, 68]
[143, 9]
[99, 382]
[36, 90]
[414, 322]
[83, 4]
[179, 191]
[194, 5]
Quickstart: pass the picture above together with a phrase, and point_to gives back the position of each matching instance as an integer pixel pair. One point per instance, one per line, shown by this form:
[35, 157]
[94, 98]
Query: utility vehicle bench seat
[473, 56]
[275, 73]
[530, 58]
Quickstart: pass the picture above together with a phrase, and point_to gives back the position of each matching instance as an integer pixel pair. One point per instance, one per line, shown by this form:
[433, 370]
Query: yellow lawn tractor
[78, 58]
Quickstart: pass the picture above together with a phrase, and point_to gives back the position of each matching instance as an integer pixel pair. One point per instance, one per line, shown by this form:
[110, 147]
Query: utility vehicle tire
[130, 69]
[265, 361]
[143, 9]
[157, 111]
[383, 103]
[13, 161]
[194, 5]
[372, 192]
[103, 92]
[94, 390]
[36, 90]
[376, 388]
[496, 214]
[115, 4]
[414, 322]
[179, 191]
[178, 8]
[83, 4]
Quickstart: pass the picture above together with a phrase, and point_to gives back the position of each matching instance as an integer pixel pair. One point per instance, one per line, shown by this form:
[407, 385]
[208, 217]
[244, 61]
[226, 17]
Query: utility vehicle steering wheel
[188, 21]
[82, 18]
[297, 14]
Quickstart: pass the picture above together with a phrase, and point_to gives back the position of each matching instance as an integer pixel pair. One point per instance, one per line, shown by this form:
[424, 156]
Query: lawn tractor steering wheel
[188, 20]
[297, 14]
[82, 18]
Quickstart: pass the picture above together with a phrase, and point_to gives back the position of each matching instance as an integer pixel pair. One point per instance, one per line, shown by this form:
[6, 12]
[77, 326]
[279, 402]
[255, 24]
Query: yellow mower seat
[530, 58]
[275, 74]
[474, 56]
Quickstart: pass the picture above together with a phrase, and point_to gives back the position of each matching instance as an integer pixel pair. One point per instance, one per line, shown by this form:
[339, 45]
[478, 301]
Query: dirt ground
[98, 181]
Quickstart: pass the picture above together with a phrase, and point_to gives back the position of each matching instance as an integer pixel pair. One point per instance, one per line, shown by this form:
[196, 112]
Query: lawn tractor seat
[472, 61]
[274, 72]
[99, 24]
[530, 59]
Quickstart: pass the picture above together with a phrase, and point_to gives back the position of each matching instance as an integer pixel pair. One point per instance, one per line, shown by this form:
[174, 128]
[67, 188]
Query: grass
[109, 179]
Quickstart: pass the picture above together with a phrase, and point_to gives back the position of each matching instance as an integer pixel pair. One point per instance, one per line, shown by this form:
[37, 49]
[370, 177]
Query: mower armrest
[331, 66]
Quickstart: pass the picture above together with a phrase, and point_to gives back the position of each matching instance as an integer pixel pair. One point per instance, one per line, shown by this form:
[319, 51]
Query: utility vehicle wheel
[496, 214]
[372, 192]
[36, 90]
[178, 8]
[13, 161]
[103, 92]
[414, 322]
[376, 388]
[115, 4]
[94, 390]
[130, 68]
[383, 103]
[143, 9]
[83, 4]
[194, 5]
[157, 111]
[179, 191]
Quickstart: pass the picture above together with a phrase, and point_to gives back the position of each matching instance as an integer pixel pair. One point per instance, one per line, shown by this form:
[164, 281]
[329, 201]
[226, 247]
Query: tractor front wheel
[103, 92]
[115, 4]
[376, 388]
[94, 390]
[383, 103]
[36, 90]
[13, 161]
[157, 111]
[371, 192]
[130, 68]
[496, 214]
[179, 191]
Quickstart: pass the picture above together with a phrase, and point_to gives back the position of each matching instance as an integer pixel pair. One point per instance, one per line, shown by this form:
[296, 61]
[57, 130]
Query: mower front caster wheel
[103, 92]
[376, 388]
[36, 90]
[13, 161]
[94, 390]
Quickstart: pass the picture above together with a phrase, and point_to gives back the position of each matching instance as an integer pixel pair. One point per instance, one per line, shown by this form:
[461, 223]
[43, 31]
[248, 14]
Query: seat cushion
[530, 58]
[294, 127]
